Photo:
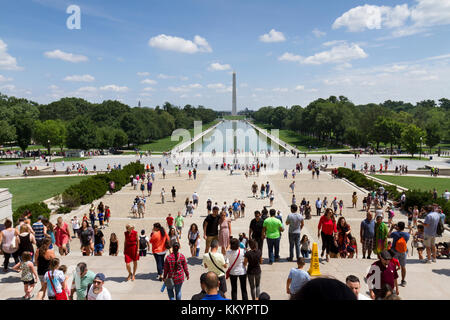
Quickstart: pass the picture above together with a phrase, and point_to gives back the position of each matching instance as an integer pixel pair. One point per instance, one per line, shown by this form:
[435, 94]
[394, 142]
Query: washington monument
[233, 111]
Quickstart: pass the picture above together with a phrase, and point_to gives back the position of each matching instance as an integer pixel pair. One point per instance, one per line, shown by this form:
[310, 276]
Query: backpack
[440, 228]
[142, 243]
[400, 245]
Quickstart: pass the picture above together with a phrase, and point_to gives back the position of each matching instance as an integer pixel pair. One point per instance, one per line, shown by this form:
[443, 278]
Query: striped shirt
[38, 228]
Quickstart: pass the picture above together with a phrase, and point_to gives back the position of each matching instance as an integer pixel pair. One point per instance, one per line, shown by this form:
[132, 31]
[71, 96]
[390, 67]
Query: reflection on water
[233, 135]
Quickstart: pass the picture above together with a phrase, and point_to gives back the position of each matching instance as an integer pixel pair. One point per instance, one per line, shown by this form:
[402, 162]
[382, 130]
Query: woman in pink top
[327, 230]
[224, 232]
[62, 236]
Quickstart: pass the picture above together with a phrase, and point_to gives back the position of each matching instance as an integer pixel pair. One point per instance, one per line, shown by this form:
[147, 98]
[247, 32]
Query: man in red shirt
[170, 220]
[382, 272]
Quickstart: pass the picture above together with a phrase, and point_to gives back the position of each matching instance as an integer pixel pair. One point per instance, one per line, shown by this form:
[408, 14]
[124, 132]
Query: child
[75, 226]
[134, 208]
[364, 203]
[28, 270]
[352, 248]
[391, 214]
[354, 199]
[341, 206]
[85, 217]
[243, 241]
[113, 245]
[101, 217]
[304, 246]
[143, 244]
[107, 215]
[418, 241]
[294, 200]
[415, 216]
[63, 268]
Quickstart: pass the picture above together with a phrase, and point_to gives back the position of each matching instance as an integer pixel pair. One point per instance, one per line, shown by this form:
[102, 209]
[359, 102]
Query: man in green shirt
[82, 278]
[272, 228]
[179, 223]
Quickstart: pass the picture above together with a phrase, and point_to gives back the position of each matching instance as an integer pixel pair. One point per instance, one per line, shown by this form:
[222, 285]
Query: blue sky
[183, 51]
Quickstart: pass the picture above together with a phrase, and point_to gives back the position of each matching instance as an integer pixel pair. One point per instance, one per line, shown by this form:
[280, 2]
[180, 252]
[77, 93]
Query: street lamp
[420, 148]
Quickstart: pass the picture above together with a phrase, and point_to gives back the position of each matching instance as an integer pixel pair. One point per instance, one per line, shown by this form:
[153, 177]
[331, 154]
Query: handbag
[169, 283]
[227, 275]
[58, 296]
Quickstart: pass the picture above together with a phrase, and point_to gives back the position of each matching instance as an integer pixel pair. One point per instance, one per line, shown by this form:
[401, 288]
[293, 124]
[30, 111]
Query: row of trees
[339, 121]
[79, 124]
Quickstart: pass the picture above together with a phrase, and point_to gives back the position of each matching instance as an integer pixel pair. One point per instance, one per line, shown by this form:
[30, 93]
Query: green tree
[81, 133]
[433, 136]
[7, 132]
[50, 133]
[24, 130]
[105, 138]
[120, 138]
[411, 137]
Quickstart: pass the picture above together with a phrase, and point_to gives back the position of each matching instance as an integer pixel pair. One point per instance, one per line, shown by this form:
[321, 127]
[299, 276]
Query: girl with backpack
[143, 244]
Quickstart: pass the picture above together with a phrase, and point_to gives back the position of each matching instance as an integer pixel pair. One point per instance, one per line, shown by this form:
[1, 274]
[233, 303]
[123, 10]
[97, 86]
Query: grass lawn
[418, 183]
[166, 144]
[26, 191]
[300, 141]
[407, 158]
[69, 159]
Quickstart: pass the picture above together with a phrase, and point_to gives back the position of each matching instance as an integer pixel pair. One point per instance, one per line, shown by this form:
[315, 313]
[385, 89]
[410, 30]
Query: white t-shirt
[58, 278]
[104, 295]
[447, 195]
[75, 224]
[195, 196]
[238, 268]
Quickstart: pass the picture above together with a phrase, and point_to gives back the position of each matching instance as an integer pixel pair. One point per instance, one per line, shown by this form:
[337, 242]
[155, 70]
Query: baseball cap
[386, 255]
[100, 276]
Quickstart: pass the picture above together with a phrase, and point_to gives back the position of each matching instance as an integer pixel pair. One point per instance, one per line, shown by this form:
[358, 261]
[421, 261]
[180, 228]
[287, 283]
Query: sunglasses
[98, 282]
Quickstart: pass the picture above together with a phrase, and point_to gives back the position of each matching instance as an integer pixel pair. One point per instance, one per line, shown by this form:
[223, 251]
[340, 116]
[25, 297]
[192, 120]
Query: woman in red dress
[131, 250]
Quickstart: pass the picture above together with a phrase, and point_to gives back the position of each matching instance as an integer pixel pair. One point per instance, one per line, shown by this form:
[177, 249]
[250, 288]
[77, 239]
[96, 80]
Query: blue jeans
[271, 245]
[294, 239]
[159, 258]
[177, 294]
[305, 253]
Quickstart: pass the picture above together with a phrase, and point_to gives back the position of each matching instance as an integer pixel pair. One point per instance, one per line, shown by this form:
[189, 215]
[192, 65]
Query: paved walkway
[424, 281]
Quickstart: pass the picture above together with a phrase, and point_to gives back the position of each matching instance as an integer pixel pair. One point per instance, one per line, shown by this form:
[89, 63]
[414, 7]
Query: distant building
[74, 154]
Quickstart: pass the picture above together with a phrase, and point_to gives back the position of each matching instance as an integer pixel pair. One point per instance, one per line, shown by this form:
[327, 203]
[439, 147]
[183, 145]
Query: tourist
[193, 237]
[237, 270]
[208, 206]
[319, 206]
[354, 199]
[107, 215]
[215, 261]
[97, 291]
[99, 241]
[305, 248]
[162, 195]
[55, 282]
[43, 257]
[399, 245]
[212, 287]
[189, 208]
[334, 203]
[92, 215]
[235, 208]
[113, 245]
[430, 232]
[141, 207]
[179, 223]
[82, 279]
[253, 260]
[28, 274]
[75, 226]
[307, 210]
[131, 250]
[50, 231]
[173, 238]
[26, 241]
[297, 278]
[149, 187]
[293, 200]
[195, 199]
[211, 227]
[256, 230]
[272, 228]
[390, 211]
[381, 234]
[86, 236]
[418, 241]
[341, 206]
[343, 236]
[202, 294]
[292, 186]
[326, 230]
[242, 211]
[175, 267]
[62, 236]
[254, 189]
[382, 272]
[9, 239]
[174, 193]
[262, 189]
[39, 231]
[271, 197]
[295, 222]
[324, 203]
[160, 243]
[224, 232]
[353, 283]
[169, 220]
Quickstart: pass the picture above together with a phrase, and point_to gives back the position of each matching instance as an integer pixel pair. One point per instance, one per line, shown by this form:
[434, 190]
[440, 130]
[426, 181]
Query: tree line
[78, 124]
[339, 121]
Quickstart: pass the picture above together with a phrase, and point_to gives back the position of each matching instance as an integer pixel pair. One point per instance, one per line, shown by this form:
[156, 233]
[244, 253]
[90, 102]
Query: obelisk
[233, 111]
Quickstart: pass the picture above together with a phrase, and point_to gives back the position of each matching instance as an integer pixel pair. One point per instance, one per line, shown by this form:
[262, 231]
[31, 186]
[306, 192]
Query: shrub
[37, 209]
[63, 210]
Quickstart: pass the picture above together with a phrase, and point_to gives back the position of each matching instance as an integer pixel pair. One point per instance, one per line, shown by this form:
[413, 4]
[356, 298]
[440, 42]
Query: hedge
[413, 197]
[37, 209]
[96, 187]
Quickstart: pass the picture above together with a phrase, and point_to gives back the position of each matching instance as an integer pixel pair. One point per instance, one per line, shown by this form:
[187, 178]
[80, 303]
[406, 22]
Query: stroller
[443, 249]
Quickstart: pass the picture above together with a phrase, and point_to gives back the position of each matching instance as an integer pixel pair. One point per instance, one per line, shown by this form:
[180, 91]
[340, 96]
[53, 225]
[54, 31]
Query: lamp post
[420, 148]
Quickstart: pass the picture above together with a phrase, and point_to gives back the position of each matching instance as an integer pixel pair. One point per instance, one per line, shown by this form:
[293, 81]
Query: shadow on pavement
[194, 261]
[10, 279]
[445, 272]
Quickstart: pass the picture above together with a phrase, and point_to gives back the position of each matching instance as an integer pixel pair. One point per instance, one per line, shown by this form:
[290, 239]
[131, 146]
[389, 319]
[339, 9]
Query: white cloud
[115, 88]
[429, 13]
[165, 76]
[195, 86]
[69, 57]
[258, 89]
[9, 87]
[198, 95]
[171, 43]
[243, 85]
[318, 33]
[183, 78]
[299, 88]
[280, 89]
[53, 87]
[148, 89]
[80, 78]
[338, 54]
[218, 67]
[87, 90]
[7, 62]
[4, 79]
[148, 81]
[215, 86]
[143, 74]
[272, 36]
[333, 43]
[186, 88]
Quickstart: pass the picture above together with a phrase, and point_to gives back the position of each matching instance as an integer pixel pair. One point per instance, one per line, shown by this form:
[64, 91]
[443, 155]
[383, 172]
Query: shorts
[192, 242]
[209, 239]
[223, 284]
[179, 229]
[368, 244]
[195, 201]
[31, 282]
[98, 247]
[142, 253]
[401, 257]
[429, 241]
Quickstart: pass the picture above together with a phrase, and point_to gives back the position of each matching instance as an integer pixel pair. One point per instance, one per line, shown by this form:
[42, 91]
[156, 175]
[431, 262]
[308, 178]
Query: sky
[285, 52]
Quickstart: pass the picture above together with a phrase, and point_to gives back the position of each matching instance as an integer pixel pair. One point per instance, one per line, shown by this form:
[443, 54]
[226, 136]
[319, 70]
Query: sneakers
[434, 260]
[403, 283]
[427, 261]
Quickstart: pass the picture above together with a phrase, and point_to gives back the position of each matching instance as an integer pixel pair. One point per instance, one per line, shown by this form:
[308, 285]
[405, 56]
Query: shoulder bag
[58, 296]
[227, 275]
